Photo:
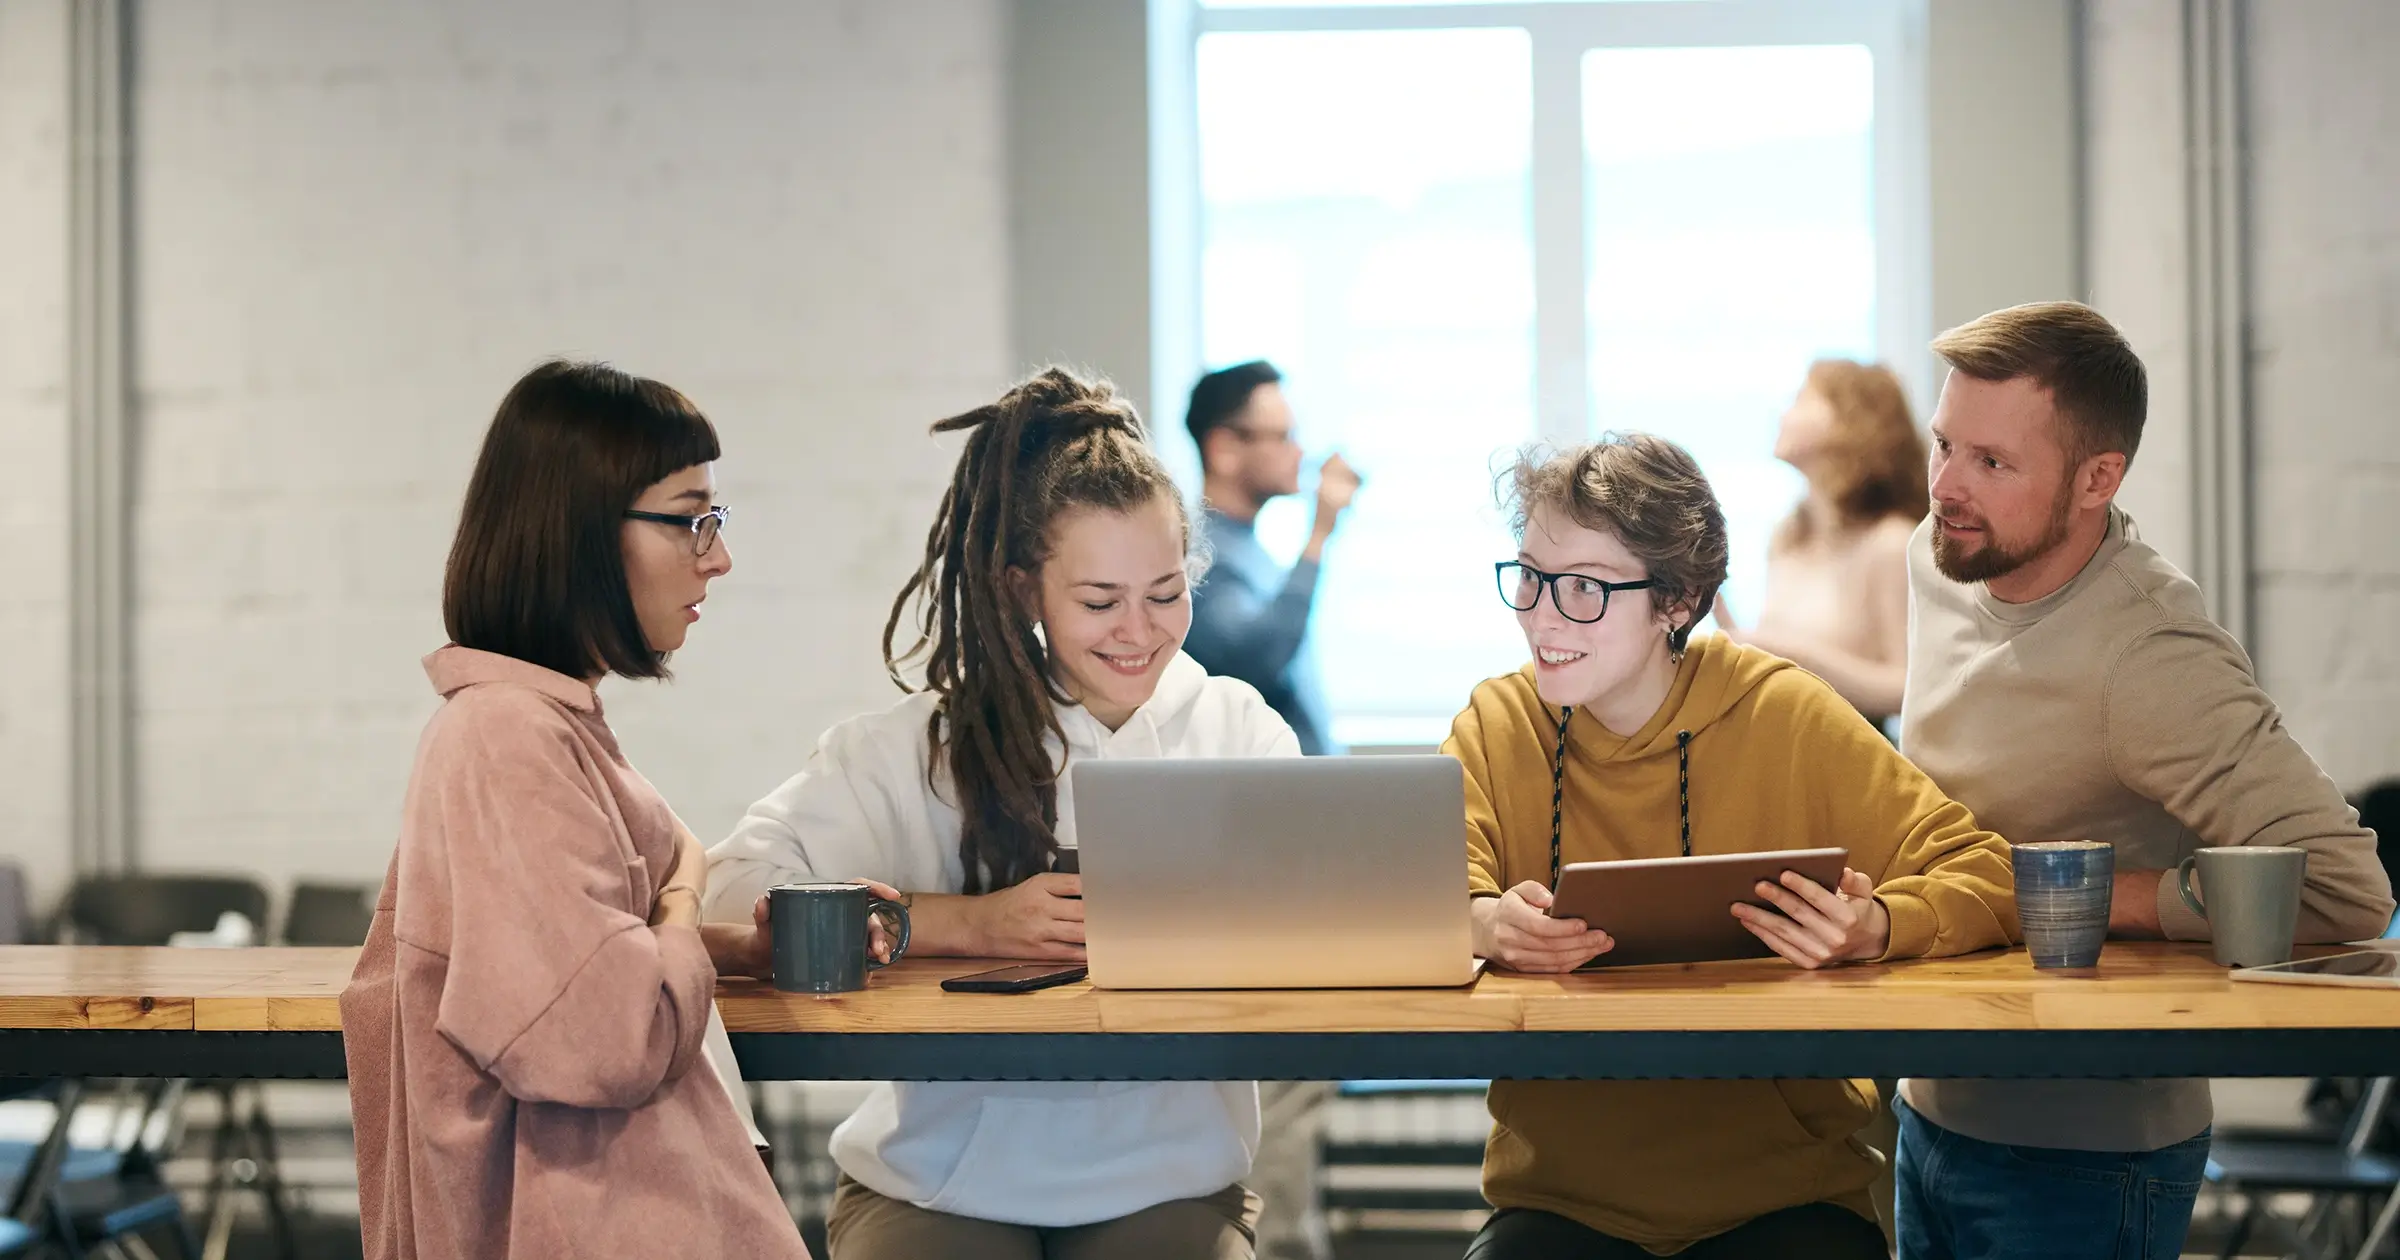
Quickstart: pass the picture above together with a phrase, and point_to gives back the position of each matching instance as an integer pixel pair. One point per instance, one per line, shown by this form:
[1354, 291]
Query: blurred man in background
[1250, 618]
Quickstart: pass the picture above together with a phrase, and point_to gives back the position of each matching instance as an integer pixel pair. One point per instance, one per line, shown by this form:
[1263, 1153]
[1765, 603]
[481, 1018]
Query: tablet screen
[2365, 964]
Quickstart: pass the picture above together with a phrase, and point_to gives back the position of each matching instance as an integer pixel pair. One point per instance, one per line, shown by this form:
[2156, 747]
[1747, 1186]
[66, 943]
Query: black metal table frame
[1331, 1056]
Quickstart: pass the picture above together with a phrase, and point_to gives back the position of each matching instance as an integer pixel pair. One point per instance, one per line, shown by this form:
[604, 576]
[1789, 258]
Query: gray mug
[819, 935]
[2253, 900]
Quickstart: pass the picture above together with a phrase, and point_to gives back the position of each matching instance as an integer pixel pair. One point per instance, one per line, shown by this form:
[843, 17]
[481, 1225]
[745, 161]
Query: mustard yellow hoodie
[1778, 761]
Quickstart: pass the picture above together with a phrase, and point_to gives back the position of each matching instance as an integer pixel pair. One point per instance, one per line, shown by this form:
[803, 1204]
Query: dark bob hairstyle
[537, 571]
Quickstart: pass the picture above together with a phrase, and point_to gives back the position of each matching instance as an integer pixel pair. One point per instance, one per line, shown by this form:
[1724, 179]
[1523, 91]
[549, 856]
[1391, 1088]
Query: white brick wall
[34, 726]
[2136, 245]
[356, 224]
[2325, 373]
[2324, 312]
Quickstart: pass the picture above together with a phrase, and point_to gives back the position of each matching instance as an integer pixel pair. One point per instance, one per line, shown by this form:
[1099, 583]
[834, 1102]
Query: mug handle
[897, 923]
[2183, 884]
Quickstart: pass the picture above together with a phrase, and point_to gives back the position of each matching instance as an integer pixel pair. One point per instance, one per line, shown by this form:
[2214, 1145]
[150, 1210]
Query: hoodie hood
[1144, 734]
[1716, 674]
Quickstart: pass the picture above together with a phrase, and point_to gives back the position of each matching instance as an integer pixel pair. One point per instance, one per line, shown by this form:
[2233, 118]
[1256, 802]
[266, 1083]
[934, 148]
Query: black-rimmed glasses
[1578, 598]
[704, 527]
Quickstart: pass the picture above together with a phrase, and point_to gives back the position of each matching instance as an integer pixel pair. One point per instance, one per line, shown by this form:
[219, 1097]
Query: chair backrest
[329, 914]
[146, 909]
[16, 912]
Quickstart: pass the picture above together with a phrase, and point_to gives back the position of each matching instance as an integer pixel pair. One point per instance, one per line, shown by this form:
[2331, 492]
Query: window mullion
[1562, 392]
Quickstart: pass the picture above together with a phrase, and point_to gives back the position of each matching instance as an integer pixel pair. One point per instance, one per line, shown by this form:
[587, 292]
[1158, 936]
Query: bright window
[1366, 229]
[1463, 230]
[1731, 236]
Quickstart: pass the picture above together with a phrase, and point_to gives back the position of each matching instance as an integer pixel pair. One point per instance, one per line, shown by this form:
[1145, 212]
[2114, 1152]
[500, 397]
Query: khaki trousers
[868, 1226]
[1287, 1173]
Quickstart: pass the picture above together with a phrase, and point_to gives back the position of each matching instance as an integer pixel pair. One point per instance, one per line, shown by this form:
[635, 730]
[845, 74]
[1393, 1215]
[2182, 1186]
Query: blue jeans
[1961, 1199]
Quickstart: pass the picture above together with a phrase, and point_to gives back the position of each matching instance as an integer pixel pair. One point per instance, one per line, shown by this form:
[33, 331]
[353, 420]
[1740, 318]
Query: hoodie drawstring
[1683, 786]
[1558, 785]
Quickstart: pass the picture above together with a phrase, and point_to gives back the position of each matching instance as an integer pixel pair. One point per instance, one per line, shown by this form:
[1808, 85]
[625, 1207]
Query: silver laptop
[1274, 873]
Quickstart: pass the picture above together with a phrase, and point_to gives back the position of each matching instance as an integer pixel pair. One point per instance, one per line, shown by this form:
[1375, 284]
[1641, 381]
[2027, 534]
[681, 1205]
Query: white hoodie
[1052, 1155]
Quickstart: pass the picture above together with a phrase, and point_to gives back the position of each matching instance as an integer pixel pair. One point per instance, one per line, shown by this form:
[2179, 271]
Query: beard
[1995, 559]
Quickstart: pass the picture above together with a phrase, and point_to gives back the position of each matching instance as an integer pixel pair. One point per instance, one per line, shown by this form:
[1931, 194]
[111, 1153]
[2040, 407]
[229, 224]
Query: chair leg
[2382, 1228]
[2241, 1228]
[36, 1185]
[214, 1206]
[270, 1177]
[62, 1228]
[2318, 1232]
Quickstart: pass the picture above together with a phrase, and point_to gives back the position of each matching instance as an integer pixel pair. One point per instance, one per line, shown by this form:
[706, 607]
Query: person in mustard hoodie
[1585, 755]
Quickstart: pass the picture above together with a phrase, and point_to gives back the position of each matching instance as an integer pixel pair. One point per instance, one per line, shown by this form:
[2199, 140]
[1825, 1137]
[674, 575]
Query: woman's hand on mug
[879, 941]
[1516, 931]
[750, 951]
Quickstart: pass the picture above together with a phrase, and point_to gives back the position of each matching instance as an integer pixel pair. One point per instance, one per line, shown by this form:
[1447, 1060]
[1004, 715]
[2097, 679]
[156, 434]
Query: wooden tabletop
[2138, 986]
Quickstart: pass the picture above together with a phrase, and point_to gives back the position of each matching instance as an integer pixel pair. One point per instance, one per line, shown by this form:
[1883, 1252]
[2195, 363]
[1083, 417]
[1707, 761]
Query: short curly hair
[1647, 492]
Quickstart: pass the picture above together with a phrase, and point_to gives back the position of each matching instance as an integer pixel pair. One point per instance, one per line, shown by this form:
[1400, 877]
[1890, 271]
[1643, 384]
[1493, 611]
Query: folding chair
[329, 914]
[105, 1200]
[150, 909]
[16, 915]
[34, 1171]
[2336, 1174]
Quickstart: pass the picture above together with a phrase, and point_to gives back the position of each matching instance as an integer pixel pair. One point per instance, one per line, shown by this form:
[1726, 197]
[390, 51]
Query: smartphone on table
[1022, 978]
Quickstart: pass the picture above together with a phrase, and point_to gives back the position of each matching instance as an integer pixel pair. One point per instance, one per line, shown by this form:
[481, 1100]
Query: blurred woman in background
[1837, 569]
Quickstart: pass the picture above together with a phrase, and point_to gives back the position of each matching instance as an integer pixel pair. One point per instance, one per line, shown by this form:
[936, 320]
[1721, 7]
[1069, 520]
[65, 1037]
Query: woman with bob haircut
[524, 1027]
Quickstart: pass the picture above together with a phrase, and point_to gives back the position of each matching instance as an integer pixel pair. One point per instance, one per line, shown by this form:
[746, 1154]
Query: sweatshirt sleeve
[2189, 727]
[553, 987]
[1240, 636]
[1486, 877]
[1944, 880]
[834, 820]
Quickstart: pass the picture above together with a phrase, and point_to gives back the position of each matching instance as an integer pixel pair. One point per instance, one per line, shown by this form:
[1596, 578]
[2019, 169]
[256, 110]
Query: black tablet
[1680, 909]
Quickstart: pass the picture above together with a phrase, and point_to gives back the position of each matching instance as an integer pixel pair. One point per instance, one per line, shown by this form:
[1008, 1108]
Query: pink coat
[524, 1048]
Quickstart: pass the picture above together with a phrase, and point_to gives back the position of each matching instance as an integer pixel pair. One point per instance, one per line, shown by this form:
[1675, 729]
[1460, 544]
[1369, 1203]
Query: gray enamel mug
[2250, 895]
[818, 935]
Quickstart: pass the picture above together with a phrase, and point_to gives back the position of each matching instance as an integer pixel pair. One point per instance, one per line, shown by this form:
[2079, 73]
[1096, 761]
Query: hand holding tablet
[1519, 931]
[1813, 926]
[1804, 904]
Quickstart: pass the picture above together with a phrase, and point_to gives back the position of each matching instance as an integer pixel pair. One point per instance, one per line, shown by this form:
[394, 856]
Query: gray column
[96, 398]
[2215, 204]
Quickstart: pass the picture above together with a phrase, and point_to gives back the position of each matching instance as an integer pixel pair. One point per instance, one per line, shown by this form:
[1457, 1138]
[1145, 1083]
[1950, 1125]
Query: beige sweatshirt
[2113, 709]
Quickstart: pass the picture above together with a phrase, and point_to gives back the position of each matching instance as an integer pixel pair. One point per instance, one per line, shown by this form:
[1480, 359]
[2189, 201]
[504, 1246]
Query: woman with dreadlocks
[1049, 613]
